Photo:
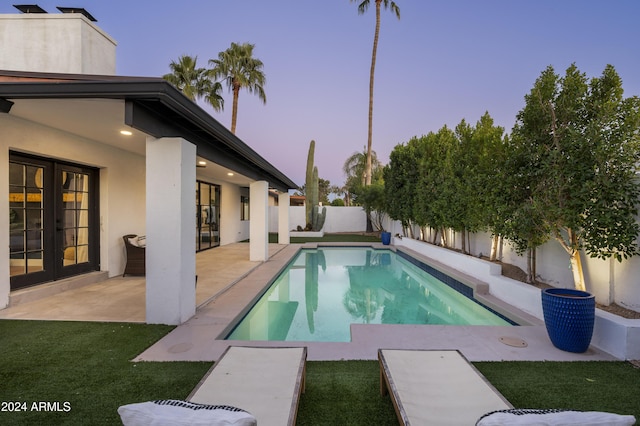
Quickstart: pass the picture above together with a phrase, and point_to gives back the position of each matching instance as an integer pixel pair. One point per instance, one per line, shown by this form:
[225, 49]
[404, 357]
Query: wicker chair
[135, 257]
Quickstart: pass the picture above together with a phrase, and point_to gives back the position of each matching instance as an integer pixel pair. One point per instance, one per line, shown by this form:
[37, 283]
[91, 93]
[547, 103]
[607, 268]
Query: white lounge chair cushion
[531, 417]
[177, 413]
[439, 387]
[264, 381]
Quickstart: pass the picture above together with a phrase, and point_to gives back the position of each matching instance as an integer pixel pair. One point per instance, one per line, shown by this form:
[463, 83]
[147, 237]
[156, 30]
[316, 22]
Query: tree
[437, 187]
[400, 182]
[339, 191]
[372, 199]
[240, 70]
[478, 167]
[195, 82]
[355, 168]
[362, 8]
[324, 189]
[582, 141]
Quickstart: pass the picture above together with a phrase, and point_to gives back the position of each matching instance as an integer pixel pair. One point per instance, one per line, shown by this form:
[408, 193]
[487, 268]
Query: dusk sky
[441, 62]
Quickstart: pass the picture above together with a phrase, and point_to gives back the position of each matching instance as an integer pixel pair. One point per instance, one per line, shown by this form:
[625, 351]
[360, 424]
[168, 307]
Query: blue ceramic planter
[569, 316]
[386, 238]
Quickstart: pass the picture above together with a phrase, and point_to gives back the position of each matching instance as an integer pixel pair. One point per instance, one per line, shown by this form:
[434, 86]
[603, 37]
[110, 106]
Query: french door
[208, 215]
[53, 220]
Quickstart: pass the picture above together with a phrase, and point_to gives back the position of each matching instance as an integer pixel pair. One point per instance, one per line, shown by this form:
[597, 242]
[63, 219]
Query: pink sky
[441, 62]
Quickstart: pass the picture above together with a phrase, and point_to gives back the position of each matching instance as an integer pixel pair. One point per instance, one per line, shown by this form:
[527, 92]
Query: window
[244, 207]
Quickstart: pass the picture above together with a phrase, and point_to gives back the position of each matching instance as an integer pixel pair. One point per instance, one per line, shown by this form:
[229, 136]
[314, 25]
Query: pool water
[322, 292]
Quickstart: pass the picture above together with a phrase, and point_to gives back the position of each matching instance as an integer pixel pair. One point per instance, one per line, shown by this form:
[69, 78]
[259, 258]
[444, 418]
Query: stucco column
[171, 231]
[283, 218]
[5, 286]
[259, 221]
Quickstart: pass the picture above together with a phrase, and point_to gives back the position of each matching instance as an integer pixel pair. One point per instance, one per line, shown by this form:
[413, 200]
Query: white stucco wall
[122, 181]
[338, 219]
[609, 280]
[59, 43]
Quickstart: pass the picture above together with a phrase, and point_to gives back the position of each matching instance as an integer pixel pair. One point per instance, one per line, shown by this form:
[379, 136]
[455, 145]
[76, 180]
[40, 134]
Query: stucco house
[89, 156]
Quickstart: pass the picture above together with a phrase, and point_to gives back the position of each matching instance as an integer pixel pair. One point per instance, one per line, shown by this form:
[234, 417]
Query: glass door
[208, 215]
[28, 223]
[74, 212]
[53, 220]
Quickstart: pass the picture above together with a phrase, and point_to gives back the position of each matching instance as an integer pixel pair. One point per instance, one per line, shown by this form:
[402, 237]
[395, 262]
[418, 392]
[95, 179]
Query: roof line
[69, 86]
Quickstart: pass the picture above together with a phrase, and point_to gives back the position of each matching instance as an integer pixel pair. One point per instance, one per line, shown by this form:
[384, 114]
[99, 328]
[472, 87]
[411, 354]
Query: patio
[122, 299]
[228, 284]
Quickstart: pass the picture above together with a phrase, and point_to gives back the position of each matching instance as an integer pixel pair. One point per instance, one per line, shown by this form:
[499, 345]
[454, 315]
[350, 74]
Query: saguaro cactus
[315, 218]
[309, 181]
[318, 217]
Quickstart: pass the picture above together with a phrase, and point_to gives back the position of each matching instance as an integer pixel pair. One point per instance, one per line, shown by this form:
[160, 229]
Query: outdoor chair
[135, 255]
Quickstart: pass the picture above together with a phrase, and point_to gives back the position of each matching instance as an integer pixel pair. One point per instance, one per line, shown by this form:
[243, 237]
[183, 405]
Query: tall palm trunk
[371, 75]
[234, 111]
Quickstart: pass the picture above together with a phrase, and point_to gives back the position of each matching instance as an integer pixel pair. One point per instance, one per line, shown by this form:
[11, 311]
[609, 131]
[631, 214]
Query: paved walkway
[228, 284]
[122, 299]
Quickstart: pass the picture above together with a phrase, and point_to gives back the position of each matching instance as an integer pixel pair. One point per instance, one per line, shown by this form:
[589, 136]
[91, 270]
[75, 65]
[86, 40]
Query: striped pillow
[525, 416]
[171, 412]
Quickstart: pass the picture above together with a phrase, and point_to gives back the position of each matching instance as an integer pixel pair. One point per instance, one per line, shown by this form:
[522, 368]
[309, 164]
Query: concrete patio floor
[228, 284]
[122, 299]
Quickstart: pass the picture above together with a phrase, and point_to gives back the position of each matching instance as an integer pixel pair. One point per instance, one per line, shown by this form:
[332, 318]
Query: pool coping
[201, 338]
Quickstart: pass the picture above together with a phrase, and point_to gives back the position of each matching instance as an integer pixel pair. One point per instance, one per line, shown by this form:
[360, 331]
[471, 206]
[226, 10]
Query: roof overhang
[88, 105]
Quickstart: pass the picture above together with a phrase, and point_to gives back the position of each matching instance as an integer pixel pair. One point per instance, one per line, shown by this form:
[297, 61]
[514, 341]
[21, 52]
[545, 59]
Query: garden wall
[339, 219]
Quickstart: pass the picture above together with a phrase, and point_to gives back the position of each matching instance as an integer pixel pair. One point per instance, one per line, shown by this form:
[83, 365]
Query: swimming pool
[323, 291]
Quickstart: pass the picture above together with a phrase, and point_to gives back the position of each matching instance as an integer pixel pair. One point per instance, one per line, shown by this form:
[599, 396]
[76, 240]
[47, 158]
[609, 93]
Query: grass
[86, 365]
[344, 393]
[89, 366]
[587, 386]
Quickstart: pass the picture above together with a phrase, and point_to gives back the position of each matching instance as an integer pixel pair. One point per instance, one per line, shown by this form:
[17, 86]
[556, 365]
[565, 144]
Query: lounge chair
[436, 387]
[266, 382]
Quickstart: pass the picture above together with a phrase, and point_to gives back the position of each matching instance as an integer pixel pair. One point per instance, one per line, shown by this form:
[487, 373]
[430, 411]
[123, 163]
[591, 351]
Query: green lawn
[88, 366]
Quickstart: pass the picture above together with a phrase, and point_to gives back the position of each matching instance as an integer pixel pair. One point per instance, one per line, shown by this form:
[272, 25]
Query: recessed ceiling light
[229, 174]
[126, 132]
[202, 163]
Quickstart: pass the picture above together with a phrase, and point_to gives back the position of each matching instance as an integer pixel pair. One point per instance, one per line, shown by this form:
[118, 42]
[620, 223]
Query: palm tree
[362, 8]
[355, 167]
[195, 82]
[239, 69]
